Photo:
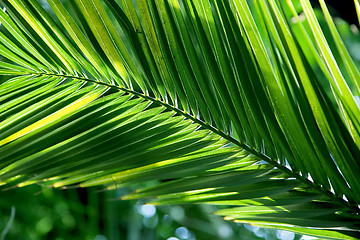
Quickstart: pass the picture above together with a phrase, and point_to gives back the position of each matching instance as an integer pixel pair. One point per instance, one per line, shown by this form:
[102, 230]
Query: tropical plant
[209, 101]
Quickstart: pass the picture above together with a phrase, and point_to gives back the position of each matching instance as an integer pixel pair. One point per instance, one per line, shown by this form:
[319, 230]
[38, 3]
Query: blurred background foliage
[42, 213]
[92, 214]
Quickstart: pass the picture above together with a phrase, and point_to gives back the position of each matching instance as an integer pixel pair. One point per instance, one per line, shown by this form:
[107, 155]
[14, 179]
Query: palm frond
[231, 105]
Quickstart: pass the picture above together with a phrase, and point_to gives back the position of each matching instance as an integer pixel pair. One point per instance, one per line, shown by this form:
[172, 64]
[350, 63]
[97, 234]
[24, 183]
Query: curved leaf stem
[354, 209]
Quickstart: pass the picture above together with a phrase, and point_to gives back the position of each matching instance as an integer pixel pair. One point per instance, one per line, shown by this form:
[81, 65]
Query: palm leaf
[220, 100]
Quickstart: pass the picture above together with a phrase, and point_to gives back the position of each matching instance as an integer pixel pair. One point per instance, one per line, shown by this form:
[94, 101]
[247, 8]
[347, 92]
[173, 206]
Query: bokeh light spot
[182, 233]
[225, 231]
[100, 237]
[177, 213]
[285, 235]
[147, 210]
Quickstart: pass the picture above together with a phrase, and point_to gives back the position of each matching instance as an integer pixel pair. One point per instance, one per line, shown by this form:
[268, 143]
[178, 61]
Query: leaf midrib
[224, 135]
